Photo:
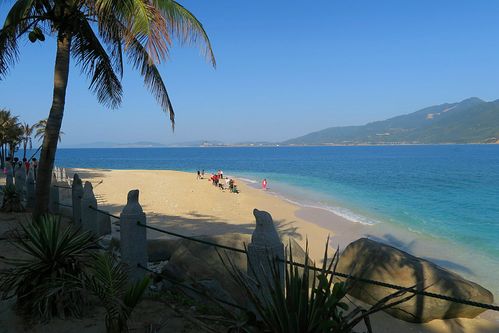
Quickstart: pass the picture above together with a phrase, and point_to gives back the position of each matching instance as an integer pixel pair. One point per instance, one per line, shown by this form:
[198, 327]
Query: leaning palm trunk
[49, 146]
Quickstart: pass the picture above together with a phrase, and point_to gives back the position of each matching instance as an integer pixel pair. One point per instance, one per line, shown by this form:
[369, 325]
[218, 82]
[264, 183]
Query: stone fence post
[10, 175]
[30, 189]
[54, 197]
[133, 243]
[20, 181]
[89, 220]
[263, 250]
[76, 196]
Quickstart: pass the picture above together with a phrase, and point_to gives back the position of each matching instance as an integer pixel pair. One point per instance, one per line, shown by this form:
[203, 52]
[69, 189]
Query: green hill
[469, 121]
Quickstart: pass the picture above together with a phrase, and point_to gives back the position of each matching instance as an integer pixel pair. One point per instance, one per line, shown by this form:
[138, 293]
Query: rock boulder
[376, 261]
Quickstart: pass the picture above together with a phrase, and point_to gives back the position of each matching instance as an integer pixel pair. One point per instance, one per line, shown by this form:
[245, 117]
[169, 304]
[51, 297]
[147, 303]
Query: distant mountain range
[469, 121]
[103, 144]
[148, 144]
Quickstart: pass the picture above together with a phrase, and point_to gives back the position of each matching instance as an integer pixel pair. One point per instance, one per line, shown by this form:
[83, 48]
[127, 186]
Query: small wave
[247, 180]
[351, 216]
[340, 211]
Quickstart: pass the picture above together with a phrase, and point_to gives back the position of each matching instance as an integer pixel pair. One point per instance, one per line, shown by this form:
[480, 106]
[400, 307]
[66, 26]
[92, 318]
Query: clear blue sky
[285, 68]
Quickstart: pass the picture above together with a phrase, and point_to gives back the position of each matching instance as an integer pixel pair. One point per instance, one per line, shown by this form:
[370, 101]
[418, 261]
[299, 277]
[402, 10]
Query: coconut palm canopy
[98, 35]
[40, 128]
[101, 33]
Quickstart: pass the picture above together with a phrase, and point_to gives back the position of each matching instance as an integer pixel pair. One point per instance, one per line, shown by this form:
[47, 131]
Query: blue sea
[448, 192]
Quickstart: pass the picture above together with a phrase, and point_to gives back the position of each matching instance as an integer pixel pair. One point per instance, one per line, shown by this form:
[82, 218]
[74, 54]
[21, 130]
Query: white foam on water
[247, 180]
[340, 211]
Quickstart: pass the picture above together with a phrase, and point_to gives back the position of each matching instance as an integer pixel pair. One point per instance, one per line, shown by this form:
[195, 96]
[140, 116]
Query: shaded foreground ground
[158, 312]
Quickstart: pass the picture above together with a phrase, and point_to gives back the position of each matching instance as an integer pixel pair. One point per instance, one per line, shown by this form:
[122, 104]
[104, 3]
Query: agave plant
[108, 280]
[11, 200]
[53, 258]
[307, 299]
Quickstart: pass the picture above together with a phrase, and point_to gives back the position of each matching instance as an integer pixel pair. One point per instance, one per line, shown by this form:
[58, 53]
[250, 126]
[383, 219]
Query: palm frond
[96, 63]
[16, 23]
[108, 280]
[140, 60]
[186, 27]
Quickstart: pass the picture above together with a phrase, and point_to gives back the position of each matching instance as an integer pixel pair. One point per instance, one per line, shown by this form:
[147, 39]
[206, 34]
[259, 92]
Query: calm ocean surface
[448, 191]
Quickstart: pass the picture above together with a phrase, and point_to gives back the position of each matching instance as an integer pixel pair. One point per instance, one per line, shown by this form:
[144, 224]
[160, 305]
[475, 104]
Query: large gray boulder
[161, 249]
[197, 263]
[376, 261]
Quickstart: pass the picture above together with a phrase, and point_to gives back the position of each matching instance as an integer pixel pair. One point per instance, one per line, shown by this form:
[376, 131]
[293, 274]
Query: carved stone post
[133, 243]
[89, 216]
[263, 250]
[20, 181]
[55, 173]
[30, 189]
[76, 196]
[10, 175]
[54, 197]
[104, 224]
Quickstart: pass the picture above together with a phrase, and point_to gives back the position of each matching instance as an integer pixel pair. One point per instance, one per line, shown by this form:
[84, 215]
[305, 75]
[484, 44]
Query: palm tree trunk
[49, 146]
[24, 147]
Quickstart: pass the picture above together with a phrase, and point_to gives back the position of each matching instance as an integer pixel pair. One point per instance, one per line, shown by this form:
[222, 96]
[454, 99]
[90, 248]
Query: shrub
[309, 300]
[11, 200]
[54, 257]
[108, 280]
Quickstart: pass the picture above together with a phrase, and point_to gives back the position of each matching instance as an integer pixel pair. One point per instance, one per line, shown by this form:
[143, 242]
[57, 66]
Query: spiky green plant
[11, 200]
[53, 257]
[108, 280]
[307, 299]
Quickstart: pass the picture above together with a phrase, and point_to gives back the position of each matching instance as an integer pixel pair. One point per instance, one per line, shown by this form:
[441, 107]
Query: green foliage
[108, 280]
[40, 128]
[307, 299]
[45, 280]
[11, 200]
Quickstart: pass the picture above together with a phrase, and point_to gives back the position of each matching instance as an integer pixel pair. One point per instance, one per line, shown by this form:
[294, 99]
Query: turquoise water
[448, 191]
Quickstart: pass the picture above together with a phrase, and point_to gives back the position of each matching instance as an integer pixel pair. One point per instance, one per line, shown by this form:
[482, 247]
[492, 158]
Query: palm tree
[98, 33]
[26, 137]
[14, 136]
[40, 128]
[8, 131]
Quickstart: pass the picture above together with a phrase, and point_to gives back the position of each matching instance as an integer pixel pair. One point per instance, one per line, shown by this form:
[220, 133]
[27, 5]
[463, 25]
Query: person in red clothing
[26, 164]
[264, 184]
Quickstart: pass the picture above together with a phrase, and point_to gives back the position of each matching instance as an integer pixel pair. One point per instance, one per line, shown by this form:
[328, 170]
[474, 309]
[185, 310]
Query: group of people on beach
[15, 164]
[218, 180]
